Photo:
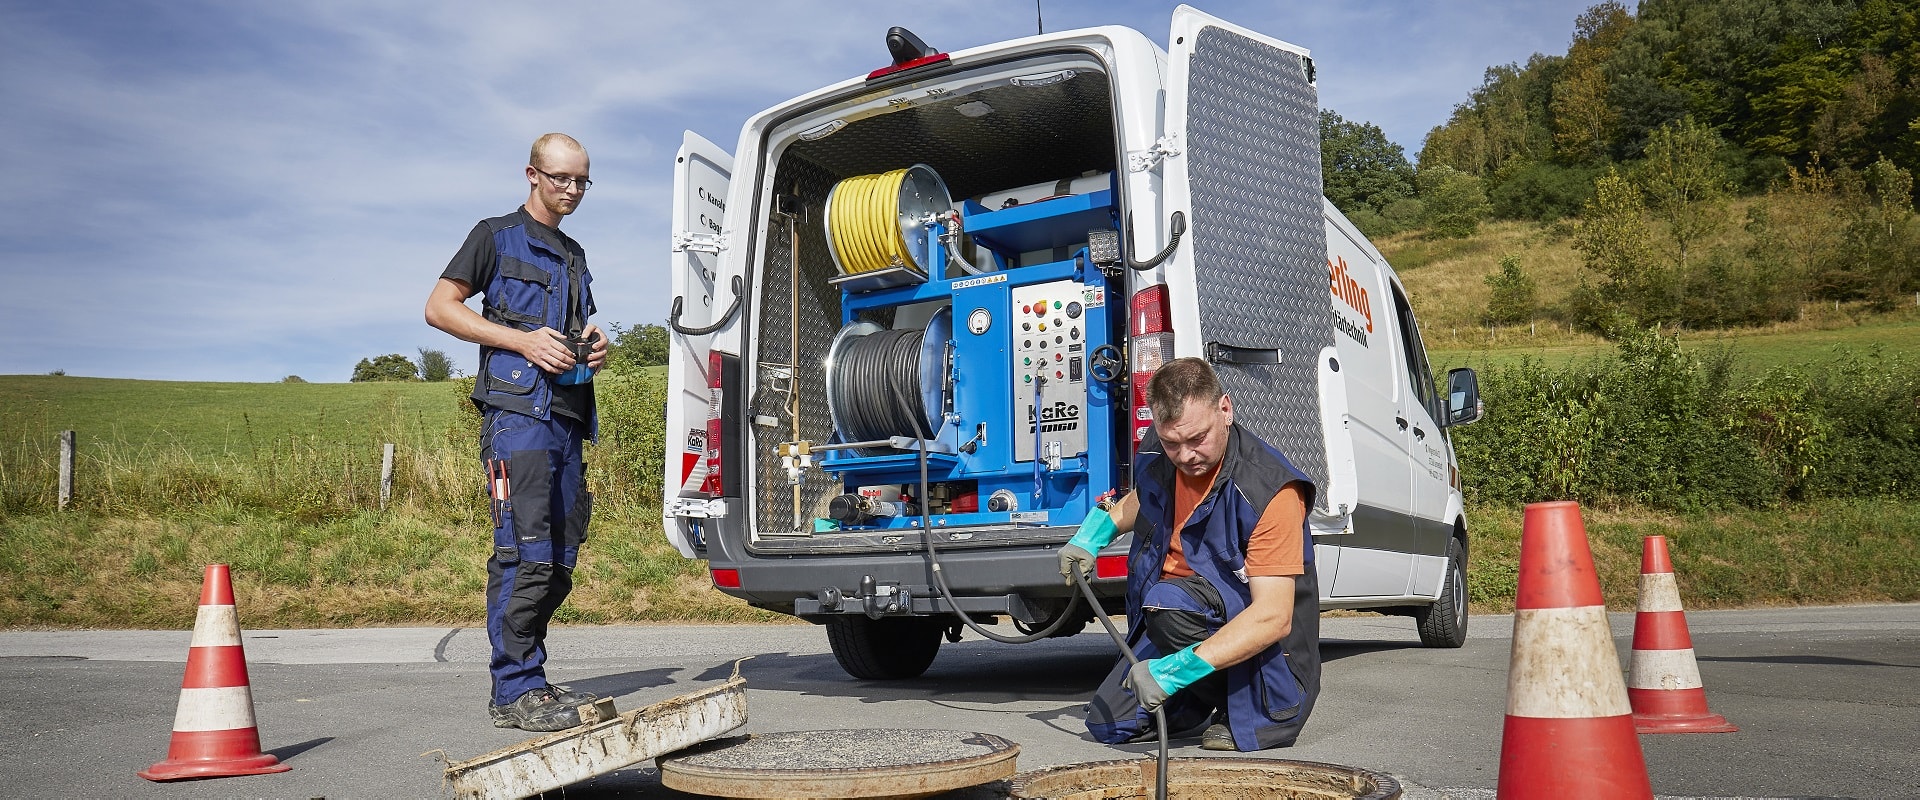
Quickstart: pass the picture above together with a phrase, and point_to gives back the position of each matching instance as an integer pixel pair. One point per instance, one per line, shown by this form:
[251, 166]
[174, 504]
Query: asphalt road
[1827, 699]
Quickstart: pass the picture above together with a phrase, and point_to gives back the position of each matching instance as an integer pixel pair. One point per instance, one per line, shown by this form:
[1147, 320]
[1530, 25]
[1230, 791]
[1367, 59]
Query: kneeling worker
[1224, 617]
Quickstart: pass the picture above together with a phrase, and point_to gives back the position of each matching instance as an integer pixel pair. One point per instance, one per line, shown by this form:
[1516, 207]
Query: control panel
[1049, 368]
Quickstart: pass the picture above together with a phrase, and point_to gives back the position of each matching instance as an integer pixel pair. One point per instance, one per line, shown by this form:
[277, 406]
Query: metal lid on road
[841, 763]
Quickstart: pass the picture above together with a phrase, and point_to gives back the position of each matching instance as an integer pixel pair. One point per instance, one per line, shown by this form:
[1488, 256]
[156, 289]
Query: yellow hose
[864, 223]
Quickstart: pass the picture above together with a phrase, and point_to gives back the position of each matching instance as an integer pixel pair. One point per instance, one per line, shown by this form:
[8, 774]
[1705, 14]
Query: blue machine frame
[984, 376]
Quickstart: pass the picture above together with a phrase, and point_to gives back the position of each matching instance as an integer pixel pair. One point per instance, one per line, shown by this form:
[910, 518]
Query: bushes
[1653, 425]
[626, 466]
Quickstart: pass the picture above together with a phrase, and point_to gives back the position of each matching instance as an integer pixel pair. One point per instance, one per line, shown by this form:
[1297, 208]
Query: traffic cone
[1664, 682]
[213, 731]
[1569, 729]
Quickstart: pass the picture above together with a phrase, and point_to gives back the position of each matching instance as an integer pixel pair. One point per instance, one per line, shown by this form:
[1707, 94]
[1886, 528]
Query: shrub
[1455, 202]
[626, 465]
[1542, 191]
[1653, 425]
[1512, 299]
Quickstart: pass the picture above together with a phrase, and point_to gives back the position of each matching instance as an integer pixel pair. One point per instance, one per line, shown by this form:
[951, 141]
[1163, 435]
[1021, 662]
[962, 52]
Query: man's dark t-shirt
[476, 264]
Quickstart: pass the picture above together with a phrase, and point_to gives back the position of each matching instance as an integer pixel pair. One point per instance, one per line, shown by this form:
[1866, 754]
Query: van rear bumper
[1023, 583]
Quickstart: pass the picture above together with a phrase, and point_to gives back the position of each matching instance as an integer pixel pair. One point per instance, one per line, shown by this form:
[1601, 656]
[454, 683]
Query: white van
[915, 312]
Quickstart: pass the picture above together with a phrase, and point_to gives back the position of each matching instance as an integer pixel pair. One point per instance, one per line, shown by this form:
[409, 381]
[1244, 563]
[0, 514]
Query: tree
[1582, 119]
[293, 379]
[1360, 167]
[390, 367]
[628, 349]
[435, 366]
[1614, 242]
[1685, 184]
[1455, 202]
[1512, 301]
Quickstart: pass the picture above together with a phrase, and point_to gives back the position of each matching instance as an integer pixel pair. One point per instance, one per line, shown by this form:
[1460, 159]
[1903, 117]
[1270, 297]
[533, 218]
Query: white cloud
[241, 191]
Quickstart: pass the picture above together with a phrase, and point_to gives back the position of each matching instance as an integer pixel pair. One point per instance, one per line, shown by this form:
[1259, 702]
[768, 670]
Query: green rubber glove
[1156, 679]
[1096, 532]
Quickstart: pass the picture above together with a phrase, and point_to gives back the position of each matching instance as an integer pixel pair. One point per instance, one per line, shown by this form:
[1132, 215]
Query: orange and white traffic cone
[1663, 683]
[1569, 729]
[213, 731]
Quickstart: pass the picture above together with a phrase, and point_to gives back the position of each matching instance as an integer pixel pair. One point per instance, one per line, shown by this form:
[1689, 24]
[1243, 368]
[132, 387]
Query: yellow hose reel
[880, 227]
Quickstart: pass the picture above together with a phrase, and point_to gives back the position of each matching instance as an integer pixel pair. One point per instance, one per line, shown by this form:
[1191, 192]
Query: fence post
[66, 469]
[386, 475]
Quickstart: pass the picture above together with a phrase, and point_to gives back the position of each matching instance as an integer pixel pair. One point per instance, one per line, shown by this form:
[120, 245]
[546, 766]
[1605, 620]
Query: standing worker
[535, 394]
[1224, 617]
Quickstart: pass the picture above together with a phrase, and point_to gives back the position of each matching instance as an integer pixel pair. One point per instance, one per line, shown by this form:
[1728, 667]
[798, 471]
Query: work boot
[537, 710]
[568, 697]
[1217, 737]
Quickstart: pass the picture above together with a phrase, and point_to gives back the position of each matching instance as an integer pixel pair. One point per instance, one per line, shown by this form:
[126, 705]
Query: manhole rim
[1386, 786]
[917, 778]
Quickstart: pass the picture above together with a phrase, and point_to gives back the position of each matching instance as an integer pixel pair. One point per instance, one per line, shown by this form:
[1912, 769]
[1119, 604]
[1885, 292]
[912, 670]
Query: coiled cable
[870, 373]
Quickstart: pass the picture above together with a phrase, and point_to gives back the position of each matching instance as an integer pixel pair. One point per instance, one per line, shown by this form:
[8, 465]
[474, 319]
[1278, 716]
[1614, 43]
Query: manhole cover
[840, 763]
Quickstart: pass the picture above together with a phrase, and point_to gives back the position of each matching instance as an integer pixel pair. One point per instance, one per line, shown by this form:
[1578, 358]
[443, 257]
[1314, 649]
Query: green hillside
[210, 419]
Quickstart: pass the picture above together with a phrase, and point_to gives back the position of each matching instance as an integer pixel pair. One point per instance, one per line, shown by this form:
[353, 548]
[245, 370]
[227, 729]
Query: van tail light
[1150, 340]
[726, 578]
[1109, 567]
[712, 486]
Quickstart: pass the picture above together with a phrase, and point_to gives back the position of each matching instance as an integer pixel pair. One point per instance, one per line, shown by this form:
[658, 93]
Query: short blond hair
[540, 145]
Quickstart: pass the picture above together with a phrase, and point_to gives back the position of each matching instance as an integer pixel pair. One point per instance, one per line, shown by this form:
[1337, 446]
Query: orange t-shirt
[1275, 548]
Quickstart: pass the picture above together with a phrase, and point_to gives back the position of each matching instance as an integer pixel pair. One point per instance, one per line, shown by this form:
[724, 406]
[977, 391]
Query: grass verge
[84, 570]
[1818, 553]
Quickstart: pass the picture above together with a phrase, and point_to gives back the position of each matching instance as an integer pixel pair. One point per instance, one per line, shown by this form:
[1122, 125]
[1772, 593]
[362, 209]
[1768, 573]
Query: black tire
[1444, 623]
[886, 649]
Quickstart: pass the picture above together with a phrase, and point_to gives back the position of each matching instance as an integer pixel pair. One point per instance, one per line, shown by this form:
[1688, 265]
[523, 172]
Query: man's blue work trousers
[537, 485]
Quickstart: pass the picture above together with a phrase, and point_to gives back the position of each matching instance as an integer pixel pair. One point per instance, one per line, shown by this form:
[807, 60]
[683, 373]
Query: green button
[1027, 378]
[1026, 361]
[1056, 304]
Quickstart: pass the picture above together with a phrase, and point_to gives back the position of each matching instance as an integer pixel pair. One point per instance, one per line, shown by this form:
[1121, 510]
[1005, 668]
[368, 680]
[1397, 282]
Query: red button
[1058, 375]
[1056, 356]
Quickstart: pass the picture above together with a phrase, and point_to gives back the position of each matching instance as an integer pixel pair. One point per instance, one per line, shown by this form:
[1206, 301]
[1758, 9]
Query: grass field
[1755, 351]
[209, 419]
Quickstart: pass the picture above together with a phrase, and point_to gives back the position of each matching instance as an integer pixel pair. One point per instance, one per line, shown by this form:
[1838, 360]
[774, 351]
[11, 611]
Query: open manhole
[840, 763]
[1215, 778]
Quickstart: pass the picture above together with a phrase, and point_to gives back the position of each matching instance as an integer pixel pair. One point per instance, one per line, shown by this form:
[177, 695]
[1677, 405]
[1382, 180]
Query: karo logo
[696, 440]
[1061, 416]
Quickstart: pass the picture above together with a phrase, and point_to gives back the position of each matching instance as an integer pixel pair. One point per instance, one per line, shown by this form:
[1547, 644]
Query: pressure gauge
[979, 321]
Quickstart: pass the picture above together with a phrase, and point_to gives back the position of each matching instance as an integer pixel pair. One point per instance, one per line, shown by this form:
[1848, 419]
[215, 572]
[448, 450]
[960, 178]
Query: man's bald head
[544, 149]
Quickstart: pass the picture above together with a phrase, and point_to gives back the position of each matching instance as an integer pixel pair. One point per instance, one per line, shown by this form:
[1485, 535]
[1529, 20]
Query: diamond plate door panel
[1253, 147]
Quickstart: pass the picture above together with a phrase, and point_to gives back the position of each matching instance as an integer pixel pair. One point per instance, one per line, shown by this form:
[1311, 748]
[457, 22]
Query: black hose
[871, 372]
[1159, 714]
[898, 389]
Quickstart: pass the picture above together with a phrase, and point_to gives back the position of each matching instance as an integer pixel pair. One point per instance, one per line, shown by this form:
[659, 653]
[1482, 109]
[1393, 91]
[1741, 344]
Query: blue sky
[240, 191]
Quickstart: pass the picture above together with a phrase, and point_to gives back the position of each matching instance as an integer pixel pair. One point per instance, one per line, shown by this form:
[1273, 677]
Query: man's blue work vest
[1269, 695]
[530, 290]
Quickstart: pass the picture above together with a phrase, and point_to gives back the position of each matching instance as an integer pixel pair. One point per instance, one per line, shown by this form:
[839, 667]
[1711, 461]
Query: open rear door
[702, 172]
[1243, 122]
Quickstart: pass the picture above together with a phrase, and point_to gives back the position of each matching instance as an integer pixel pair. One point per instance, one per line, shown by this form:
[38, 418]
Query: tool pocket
[508, 372]
[1281, 694]
[522, 292]
[578, 518]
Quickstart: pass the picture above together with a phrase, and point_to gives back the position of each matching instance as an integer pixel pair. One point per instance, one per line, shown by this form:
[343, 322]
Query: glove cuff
[1096, 531]
[1180, 670]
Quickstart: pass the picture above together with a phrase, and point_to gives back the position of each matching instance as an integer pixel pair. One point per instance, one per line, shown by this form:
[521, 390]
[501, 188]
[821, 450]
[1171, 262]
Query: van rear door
[1242, 155]
[702, 173]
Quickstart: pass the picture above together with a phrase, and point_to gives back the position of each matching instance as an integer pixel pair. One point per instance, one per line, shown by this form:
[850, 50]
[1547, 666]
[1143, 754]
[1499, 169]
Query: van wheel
[1444, 623]
[884, 649]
